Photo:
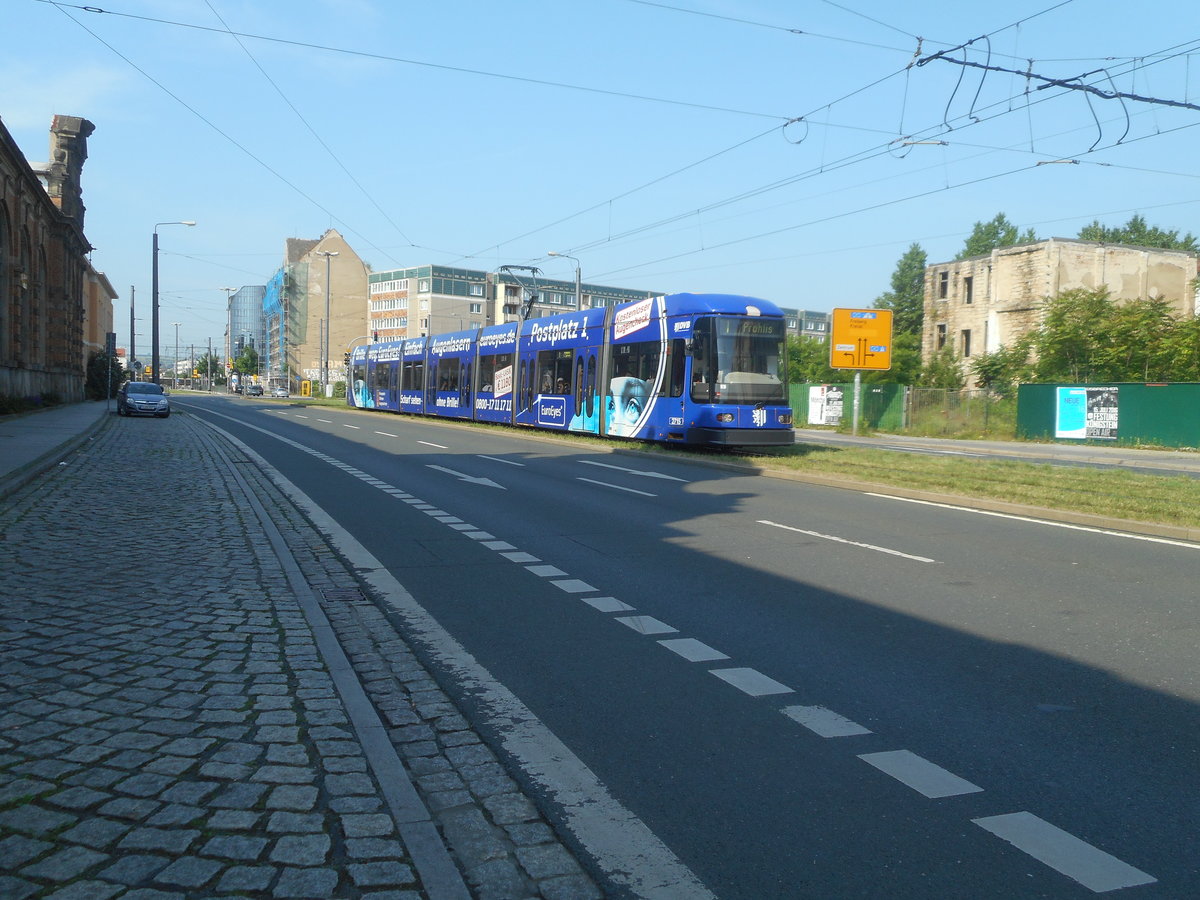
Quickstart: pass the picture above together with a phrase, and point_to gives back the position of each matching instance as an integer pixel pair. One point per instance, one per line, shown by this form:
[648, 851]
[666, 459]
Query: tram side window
[489, 366]
[554, 372]
[447, 374]
[414, 376]
[639, 360]
[380, 376]
[676, 361]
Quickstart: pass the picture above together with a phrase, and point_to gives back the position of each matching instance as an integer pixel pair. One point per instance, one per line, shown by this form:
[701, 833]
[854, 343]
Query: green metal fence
[1164, 415]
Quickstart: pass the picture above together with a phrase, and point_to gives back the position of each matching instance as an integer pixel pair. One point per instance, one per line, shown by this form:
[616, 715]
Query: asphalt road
[799, 691]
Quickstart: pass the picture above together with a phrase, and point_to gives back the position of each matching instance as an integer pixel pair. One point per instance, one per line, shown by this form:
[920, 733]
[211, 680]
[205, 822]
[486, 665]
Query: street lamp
[325, 335]
[154, 297]
[578, 285]
[175, 367]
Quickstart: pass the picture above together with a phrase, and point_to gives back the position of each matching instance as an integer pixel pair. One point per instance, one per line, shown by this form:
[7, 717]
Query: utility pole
[210, 365]
[132, 335]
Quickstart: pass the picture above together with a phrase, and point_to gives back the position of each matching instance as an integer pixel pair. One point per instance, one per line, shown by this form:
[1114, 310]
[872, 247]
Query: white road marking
[1063, 852]
[824, 722]
[607, 604]
[573, 586]
[439, 446]
[920, 774]
[1066, 525]
[546, 571]
[355, 427]
[481, 536]
[507, 462]
[498, 545]
[298, 416]
[460, 526]
[622, 845]
[752, 682]
[841, 540]
[387, 434]
[643, 473]
[693, 650]
[326, 421]
[463, 476]
[617, 487]
[519, 556]
[646, 625]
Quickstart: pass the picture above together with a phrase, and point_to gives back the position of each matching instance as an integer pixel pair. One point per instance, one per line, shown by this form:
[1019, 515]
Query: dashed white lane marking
[355, 427]
[920, 774]
[693, 650]
[519, 556]
[1063, 852]
[387, 434]
[617, 487]
[607, 604]
[573, 586]
[507, 462]
[752, 682]
[498, 545]
[824, 722]
[841, 540]
[326, 421]
[546, 571]
[1066, 525]
[439, 446]
[481, 535]
[646, 625]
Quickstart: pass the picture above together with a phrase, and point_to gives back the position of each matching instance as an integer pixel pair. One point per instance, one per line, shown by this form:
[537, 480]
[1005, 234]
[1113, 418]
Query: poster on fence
[1086, 413]
[825, 404]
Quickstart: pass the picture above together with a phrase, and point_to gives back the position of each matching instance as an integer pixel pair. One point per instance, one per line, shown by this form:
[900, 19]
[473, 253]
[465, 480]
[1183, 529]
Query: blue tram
[698, 369]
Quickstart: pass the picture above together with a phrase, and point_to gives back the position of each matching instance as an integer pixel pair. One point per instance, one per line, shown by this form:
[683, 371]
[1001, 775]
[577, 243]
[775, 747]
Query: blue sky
[784, 150]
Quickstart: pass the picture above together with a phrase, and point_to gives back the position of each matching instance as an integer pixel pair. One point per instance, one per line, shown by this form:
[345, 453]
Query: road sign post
[860, 339]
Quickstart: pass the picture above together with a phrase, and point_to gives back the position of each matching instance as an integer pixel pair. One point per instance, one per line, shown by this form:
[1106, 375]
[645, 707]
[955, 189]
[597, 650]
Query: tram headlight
[785, 418]
[725, 417]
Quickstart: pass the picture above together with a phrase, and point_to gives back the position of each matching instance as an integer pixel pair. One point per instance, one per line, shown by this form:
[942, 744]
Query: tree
[246, 362]
[1000, 371]
[906, 299]
[943, 371]
[1137, 233]
[210, 362]
[988, 236]
[808, 361]
[1069, 342]
[104, 376]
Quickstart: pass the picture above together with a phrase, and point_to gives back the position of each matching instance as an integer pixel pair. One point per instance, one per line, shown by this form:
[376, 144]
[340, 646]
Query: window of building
[423, 286]
[941, 336]
[943, 285]
[968, 289]
[476, 307]
[966, 342]
[477, 290]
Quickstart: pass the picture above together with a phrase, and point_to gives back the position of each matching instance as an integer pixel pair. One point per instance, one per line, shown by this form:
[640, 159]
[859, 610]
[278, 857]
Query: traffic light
[346, 358]
[148, 372]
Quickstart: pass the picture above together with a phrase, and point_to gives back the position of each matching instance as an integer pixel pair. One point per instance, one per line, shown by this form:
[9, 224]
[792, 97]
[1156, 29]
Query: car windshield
[139, 387]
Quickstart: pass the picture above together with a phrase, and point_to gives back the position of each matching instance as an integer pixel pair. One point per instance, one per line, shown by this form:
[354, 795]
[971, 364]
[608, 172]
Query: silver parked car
[143, 398]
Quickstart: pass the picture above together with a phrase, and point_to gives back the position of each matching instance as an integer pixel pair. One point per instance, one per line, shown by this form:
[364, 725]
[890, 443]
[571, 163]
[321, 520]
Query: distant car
[143, 398]
[280, 392]
[254, 390]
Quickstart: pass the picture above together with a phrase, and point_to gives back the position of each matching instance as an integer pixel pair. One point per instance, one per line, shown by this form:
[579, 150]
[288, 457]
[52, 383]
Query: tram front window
[738, 360]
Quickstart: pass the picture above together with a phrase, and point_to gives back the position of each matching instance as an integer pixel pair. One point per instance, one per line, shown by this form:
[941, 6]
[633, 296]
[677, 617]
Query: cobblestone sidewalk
[170, 728]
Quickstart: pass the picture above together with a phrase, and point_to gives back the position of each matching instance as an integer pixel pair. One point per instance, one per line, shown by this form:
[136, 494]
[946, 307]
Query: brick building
[54, 307]
[981, 304]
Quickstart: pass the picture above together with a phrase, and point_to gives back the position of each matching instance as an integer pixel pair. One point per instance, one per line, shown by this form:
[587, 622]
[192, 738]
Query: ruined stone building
[981, 304]
[54, 307]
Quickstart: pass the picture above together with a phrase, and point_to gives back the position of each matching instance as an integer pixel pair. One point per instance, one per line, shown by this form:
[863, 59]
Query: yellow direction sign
[861, 339]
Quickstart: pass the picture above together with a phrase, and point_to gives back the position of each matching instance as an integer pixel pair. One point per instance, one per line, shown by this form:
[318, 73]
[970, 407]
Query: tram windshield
[738, 360]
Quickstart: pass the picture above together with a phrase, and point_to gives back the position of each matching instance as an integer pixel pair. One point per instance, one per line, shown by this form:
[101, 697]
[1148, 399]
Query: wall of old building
[43, 267]
[981, 304]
